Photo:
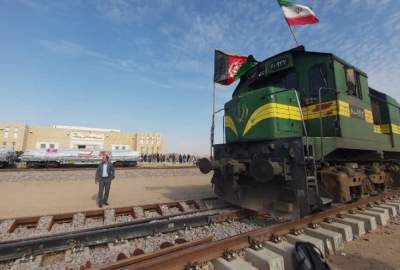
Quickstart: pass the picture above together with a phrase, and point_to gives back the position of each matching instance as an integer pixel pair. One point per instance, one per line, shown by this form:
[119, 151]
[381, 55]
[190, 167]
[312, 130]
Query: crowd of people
[168, 158]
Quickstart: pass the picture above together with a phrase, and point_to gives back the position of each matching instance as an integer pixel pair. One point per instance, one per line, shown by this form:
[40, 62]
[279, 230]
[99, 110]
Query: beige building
[22, 137]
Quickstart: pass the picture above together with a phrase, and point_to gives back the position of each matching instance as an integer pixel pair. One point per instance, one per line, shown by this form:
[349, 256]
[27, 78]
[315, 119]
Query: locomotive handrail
[212, 129]
[302, 120]
[321, 128]
[223, 124]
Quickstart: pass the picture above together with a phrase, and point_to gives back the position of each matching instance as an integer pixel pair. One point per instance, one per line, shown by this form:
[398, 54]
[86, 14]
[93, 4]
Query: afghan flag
[296, 14]
[228, 68]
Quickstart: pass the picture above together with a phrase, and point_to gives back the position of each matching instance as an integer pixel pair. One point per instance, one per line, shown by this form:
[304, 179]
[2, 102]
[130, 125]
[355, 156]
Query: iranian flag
[228, 68]
[296, 14]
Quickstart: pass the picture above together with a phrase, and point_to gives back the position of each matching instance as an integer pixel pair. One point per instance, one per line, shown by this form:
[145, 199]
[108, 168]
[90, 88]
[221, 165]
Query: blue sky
[147, 65]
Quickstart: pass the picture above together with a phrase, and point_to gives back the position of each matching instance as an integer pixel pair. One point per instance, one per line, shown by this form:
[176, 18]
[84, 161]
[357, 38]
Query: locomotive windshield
[284, 79]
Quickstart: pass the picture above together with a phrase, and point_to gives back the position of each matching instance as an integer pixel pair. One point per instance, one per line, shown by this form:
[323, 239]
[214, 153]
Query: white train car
[59, 158]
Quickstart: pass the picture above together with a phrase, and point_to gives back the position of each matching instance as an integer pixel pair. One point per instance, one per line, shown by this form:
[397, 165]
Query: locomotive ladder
[309, 157]
[311, 170]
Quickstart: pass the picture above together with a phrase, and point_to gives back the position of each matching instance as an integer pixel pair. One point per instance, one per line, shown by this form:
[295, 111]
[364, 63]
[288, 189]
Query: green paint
[240, 108]
[259, 86]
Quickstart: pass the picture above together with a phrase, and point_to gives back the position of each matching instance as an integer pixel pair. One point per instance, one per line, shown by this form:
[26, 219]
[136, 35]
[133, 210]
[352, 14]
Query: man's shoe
[105, 203]
[101, 206]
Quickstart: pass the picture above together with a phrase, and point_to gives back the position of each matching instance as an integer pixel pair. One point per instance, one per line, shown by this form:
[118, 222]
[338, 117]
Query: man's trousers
[104, 190]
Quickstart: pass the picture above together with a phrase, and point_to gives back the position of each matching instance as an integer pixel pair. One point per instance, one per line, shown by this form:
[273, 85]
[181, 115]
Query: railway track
[93, 167]
[33, 226]
[201, 235]
[30, 241]
[271, 247]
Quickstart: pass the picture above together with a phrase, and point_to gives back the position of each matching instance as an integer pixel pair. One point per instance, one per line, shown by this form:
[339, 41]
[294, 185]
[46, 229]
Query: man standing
[104, 175]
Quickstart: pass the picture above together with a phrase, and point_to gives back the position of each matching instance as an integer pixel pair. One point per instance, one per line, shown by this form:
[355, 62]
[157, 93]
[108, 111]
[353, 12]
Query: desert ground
[378, 250]
[30, 193]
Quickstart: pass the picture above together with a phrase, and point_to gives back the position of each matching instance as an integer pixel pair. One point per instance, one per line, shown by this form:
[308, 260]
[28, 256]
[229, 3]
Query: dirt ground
[378, 250]
[40, 193]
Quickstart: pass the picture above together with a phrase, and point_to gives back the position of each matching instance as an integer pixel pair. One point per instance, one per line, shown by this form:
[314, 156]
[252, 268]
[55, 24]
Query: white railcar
[59, 158]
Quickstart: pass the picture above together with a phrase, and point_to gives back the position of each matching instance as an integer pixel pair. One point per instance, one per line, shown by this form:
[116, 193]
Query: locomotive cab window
[353, 82]
[318, 77]
[376, 111]
[281, 79]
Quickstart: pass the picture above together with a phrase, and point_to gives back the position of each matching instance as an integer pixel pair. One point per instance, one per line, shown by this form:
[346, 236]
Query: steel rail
[145, 257]
[209, 251]
[99, 235]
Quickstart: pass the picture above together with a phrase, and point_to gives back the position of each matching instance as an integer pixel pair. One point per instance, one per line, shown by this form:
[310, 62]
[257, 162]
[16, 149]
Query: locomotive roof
[302, 50]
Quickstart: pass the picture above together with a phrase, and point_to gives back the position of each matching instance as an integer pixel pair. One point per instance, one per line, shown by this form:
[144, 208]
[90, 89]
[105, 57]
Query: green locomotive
[303, 130]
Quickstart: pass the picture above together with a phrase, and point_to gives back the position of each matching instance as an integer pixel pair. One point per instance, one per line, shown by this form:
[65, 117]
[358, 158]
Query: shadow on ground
[184, 192]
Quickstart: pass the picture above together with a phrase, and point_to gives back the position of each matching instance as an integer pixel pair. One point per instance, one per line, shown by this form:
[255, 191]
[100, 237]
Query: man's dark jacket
[110, 172]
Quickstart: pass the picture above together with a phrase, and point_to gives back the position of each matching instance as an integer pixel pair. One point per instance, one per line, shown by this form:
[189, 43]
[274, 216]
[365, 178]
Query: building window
[46, 145]
[119, 147]
[81, 146]
[4, 143]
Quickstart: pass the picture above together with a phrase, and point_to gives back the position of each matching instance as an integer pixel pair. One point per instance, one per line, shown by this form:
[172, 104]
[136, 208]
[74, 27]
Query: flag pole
[212, 123]
[294, 36]
[290, 28]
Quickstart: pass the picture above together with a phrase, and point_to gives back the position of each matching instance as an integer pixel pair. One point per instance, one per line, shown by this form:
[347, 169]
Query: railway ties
[33, 241]
[329, 236]
[15, 228]
[272, 247]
